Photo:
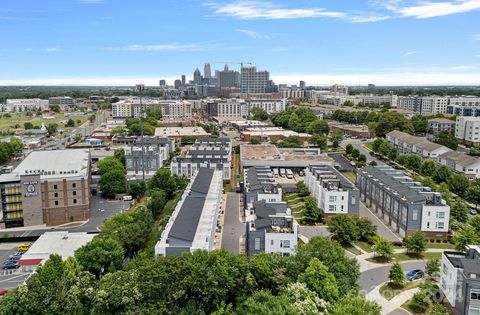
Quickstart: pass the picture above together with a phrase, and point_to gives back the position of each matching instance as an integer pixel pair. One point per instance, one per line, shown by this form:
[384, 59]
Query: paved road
[233, 229]
[382, 229]
[358, 144]
[372, 278]
[343, 161]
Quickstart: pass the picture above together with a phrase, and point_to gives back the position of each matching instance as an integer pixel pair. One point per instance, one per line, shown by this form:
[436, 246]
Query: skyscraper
[177, 84]
[302, 84]
[197, 77]
[226, 78]
[253, 81]
[162, 82]
[184, 81]
[207, 72]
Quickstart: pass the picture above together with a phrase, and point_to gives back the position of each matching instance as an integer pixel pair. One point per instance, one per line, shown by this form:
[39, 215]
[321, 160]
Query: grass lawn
[368, 146]
[20, 119]
[364, 246]
[440, 245]
[404, 257]
[351, 249]
[295, 202]
[389, 292]
[351, 176]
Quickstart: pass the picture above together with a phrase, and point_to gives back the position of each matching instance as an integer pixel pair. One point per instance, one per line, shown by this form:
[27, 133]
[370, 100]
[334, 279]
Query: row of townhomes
[456, 161]
[213, 153]
[403, 204]
[271, 227]
[333, 192]
[156, 152]
[193, 224]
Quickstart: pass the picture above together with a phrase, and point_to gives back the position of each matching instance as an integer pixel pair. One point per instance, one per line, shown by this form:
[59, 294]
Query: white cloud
[250, 10]
[365, 18]
[52, 50]
[253, 34]
[461, 68]
[166, 47]
[476, 37]
[427, 9]
[410, 53]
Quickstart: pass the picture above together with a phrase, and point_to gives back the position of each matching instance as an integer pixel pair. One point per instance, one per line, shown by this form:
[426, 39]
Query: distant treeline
[421, 91]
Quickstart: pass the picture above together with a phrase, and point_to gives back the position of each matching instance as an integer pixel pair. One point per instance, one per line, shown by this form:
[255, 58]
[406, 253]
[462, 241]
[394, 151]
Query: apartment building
[438, 125]
[213, 153]
[407, 144]
[267, 134]
[333, 192]
[270, 226]
[404, 205]
[291, 93]
[460, 280]
[464, 106]
[424, 105]
[467, 129]
[122, 109]
[193, 223]
[235, 107]
[253, 81]
[339, 99]
[62, 101]
[47, 187]
[24, 105]
[461, 163]
[171, 109]
[156, 152]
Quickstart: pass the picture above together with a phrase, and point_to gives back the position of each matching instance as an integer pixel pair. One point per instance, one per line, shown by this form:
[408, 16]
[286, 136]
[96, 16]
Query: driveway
[382, 228]
[343, 161]
[311, 231]
[233, 228]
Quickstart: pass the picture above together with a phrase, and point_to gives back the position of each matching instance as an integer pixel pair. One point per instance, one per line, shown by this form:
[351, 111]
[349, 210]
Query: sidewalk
[394, 303]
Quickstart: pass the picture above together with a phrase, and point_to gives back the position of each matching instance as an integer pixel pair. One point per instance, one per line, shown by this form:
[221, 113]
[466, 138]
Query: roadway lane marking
[11, 278]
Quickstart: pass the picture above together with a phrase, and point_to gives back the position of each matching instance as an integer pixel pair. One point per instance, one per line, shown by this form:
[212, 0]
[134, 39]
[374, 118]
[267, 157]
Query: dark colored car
[10, 265]
[16, 255]
[415, 274]
[473, 211]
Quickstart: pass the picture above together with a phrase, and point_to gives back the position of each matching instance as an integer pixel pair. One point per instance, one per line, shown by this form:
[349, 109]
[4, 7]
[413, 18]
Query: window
[74, 193]
[332, 198]
[415, 215]
[74, 185]
[55, 195]
[353, 200]
[285, 244]
[271, 242]
[428, 225]
[440, 225]
[440, 215]
[257, 243]
[475, 295]
[473, 311]
[55, 186]
[74, 200]
[56, 202]
[331, 208]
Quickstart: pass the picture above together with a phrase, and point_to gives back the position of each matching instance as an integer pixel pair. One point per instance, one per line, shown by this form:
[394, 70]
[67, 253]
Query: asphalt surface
[372, 278]
[311, 231]
[343, 161]
[382, 228]
[233, 229]
[10, 279]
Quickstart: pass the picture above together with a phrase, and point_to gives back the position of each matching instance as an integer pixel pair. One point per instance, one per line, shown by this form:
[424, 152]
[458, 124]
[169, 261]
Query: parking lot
[10, 279]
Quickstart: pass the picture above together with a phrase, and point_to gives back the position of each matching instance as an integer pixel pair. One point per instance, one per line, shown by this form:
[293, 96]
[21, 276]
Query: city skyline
[105, 42]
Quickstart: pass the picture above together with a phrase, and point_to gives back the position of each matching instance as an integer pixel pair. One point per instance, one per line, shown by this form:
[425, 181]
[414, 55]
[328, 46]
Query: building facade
[404, 205]
[334, 194]
[24, 105]
[407, 144]
[461, 163]
[467, 129]
[460, 280]
[253, 81]
[193, 223]
[438, 125]
[156, 152]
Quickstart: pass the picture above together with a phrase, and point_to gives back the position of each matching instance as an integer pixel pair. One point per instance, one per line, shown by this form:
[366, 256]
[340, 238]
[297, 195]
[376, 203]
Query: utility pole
[140, 88]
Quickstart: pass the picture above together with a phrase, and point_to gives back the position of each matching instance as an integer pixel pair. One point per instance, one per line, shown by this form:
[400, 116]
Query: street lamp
[140, 88]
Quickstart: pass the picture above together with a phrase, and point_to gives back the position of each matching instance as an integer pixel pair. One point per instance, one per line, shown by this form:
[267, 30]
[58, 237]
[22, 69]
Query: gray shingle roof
[203, 180]
[185, 225]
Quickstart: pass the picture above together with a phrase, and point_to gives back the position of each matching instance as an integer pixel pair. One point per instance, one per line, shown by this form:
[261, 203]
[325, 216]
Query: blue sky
[120, 42]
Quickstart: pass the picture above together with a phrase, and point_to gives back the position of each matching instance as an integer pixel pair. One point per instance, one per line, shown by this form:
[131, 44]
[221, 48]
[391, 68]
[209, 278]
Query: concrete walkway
[394, 305]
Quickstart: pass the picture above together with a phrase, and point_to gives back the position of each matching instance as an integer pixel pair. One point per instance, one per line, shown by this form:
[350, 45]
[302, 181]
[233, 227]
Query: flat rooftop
[180, 131]
[269, 152]
[56, 164]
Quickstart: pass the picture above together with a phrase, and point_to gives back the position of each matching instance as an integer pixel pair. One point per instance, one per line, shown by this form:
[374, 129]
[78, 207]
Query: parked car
[23, 247]
[473, 211]
[3, 292]
[10, 265]
[16, 254]
[415, 274]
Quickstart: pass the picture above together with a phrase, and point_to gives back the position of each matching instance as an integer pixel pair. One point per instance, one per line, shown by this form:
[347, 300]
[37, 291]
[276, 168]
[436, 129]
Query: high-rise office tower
[226, 78]
[207, 71]
[184, 80]
[197, 77]
[177, 84]
[302, 84]
[162, 82]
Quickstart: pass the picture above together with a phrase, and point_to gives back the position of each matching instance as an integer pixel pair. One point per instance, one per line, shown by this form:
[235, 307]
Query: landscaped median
[403, 256]
[388, 291]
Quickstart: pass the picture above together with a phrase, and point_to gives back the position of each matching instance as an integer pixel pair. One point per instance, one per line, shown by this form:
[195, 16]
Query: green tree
[254, 141]
[344, 228]
[466, 235]
[362, 158]
[156, 200]
[475, 223]
[390, 121]
[52, 128]
[473, 194]
[336, 137]
[416, 243]
[432, 267]
[458, 211]
[119, 154]
[70, 123]
[259, 114]
[439, 309]
[458, 183]
[109, 164]
[420, 302]
[100, 256]
[291, 142]
[349, 149]
[383, 247]
[16, 145]
[302, 189]
[164, 180]
[319, 141]
[420, 124]
[113, 182]
[396, 276]
[55, 108]
[263, 302]
[311, 213]
[137, 188]
[366, 228]
[355, 305]
[92, 118]
[320, 280]
[355, 153]
[447, 139]
[318, 126]
[428, 168]
[27, 125]
[441, 174]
